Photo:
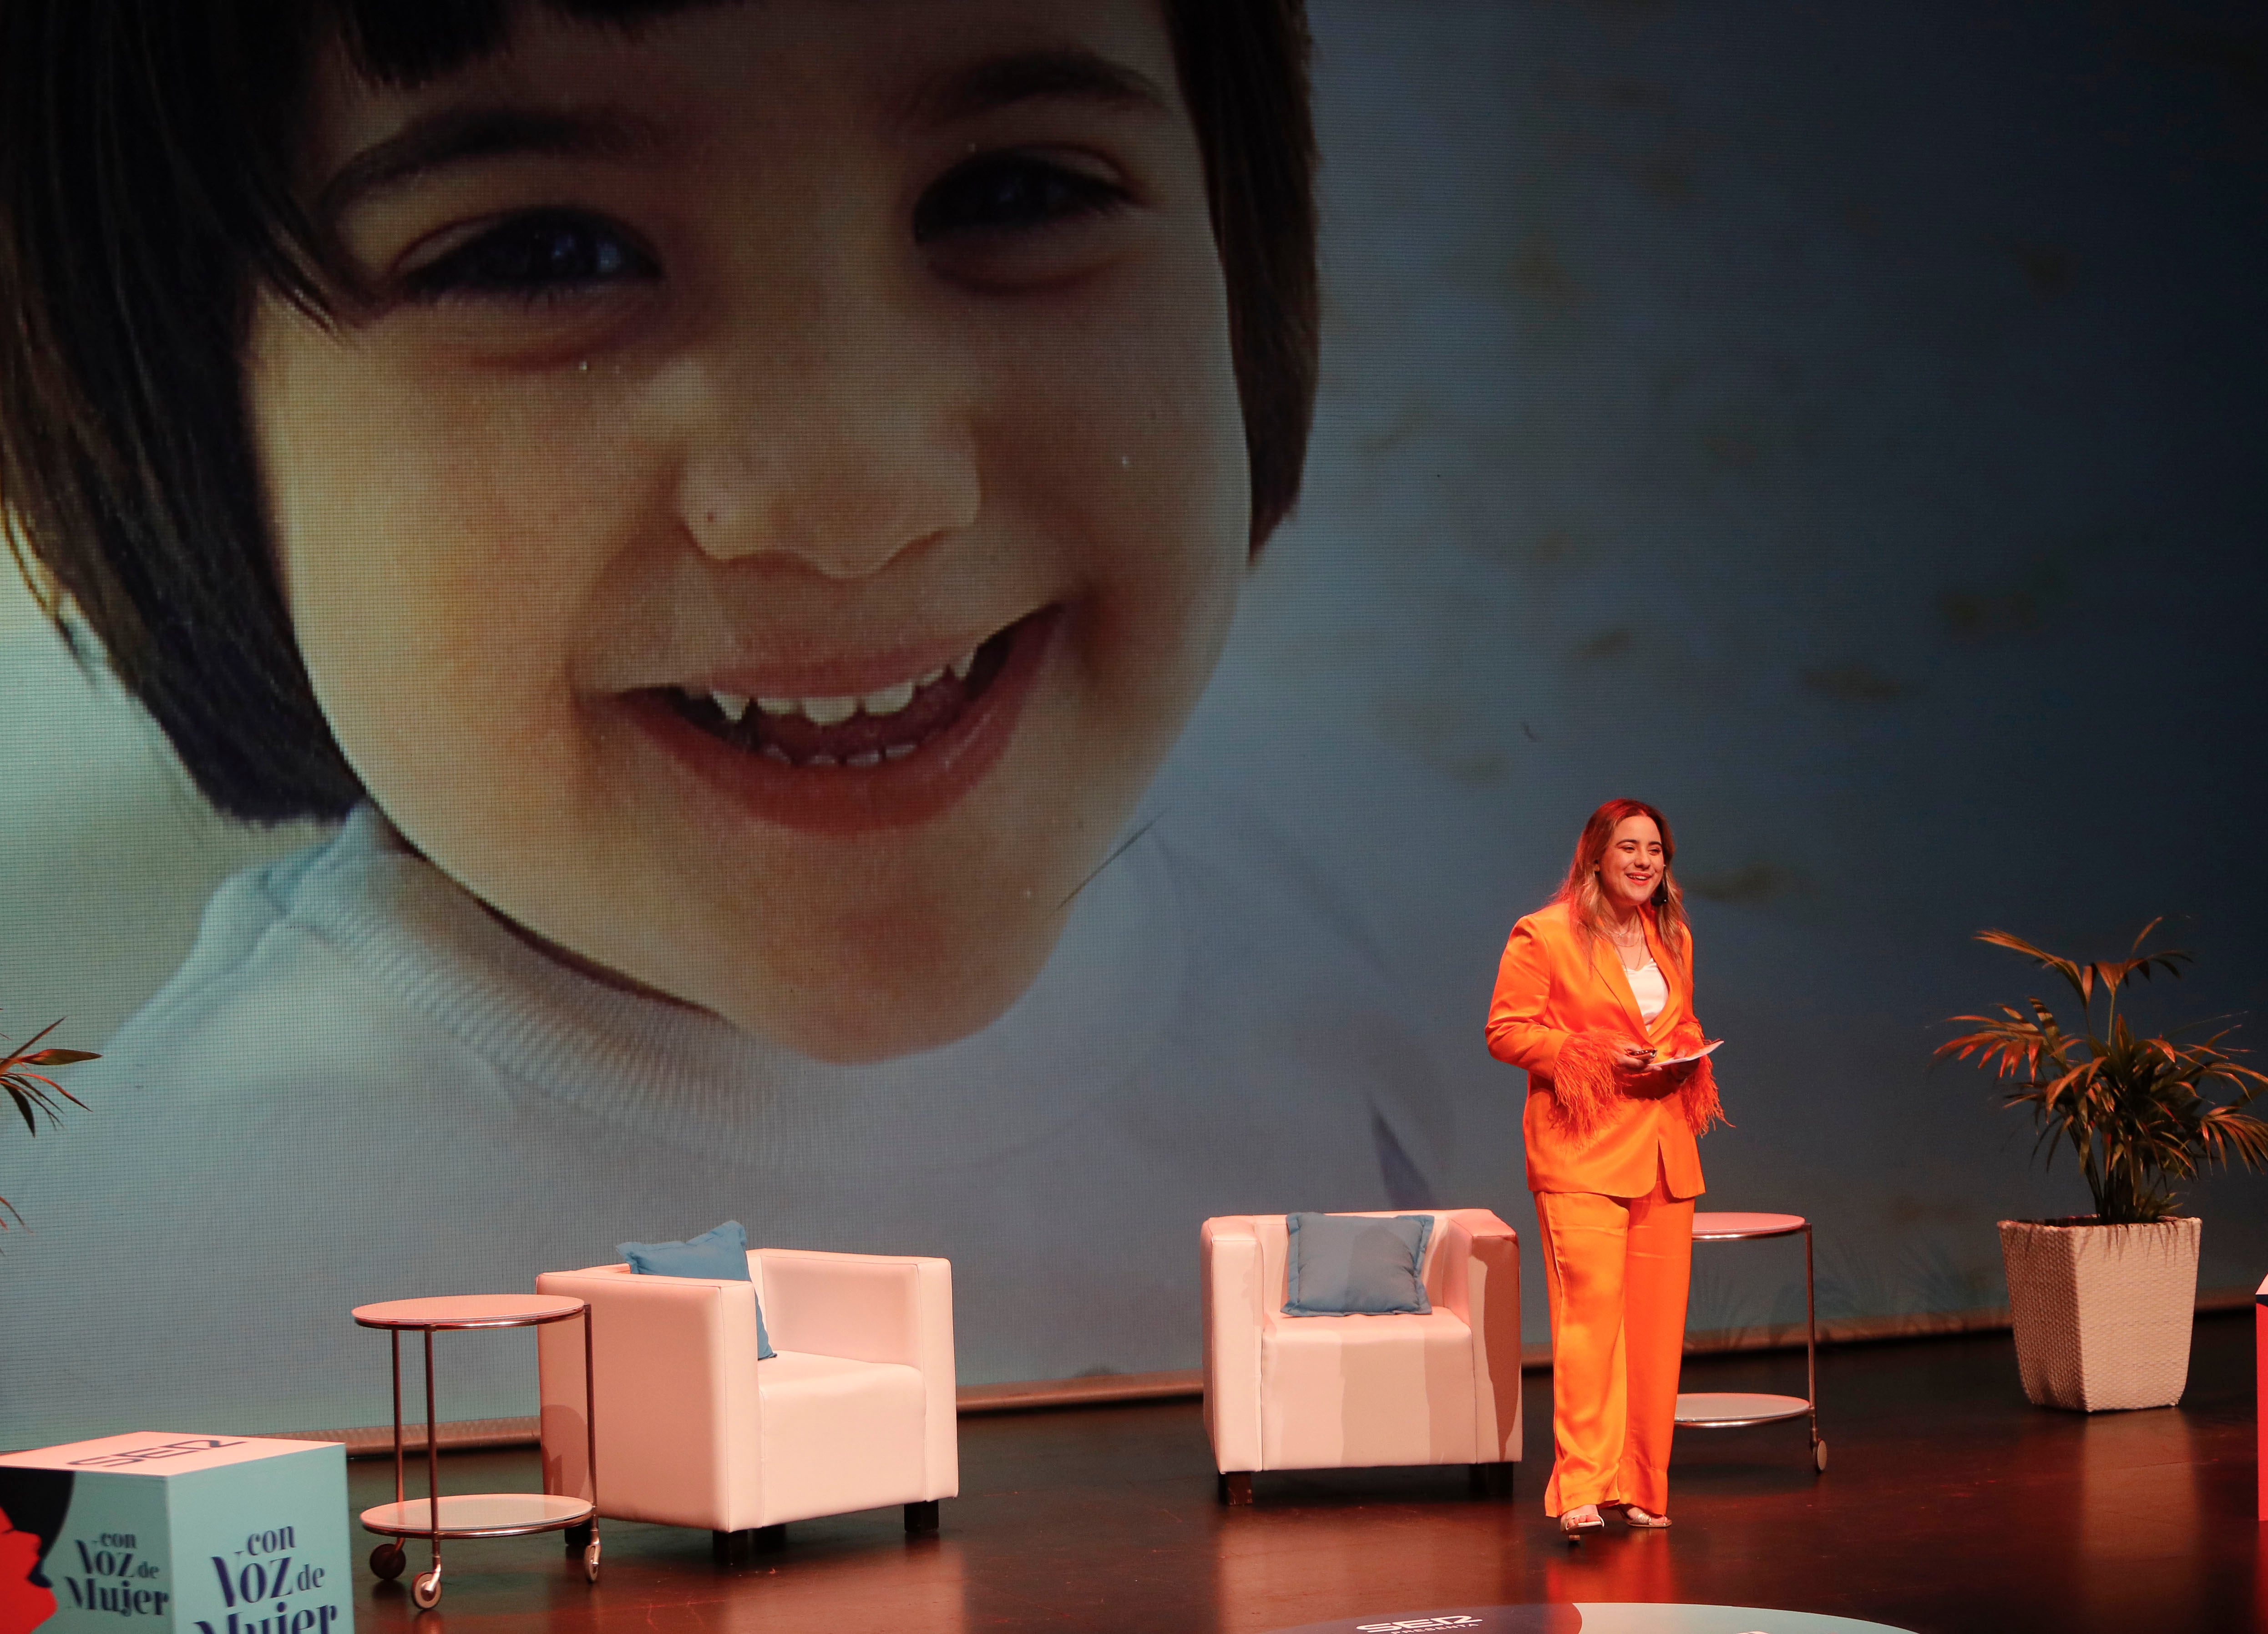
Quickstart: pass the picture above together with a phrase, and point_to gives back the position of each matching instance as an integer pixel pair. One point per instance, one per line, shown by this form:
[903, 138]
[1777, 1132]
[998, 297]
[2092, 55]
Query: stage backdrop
[1839, 426]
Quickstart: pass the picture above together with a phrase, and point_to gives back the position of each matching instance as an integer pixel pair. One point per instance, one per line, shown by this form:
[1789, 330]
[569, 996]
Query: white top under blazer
[1650, 989]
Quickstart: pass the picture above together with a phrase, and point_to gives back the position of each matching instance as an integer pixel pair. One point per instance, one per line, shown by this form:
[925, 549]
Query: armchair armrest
[676, 1359]
[1487, 1297]
[1234, 1305]
[862, 1308]
[871, 1308]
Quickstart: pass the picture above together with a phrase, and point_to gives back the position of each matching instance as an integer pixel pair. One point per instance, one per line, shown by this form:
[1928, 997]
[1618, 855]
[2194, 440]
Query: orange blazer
[1562, 1006]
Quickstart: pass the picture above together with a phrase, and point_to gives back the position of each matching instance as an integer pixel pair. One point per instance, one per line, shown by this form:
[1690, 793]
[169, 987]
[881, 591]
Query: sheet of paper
[1671, 1061]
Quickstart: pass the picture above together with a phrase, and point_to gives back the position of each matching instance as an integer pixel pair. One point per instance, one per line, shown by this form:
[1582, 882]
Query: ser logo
[150, 1454]
[1414, 1625]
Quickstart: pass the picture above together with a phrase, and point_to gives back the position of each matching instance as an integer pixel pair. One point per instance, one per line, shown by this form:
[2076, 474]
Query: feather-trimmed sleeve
[1698, 1096]
[1587, 1080]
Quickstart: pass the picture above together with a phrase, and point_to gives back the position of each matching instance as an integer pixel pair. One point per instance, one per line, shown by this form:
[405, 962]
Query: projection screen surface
[1838, 426]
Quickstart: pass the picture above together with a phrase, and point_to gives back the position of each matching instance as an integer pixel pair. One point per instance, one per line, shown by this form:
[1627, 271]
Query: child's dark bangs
[408, 42]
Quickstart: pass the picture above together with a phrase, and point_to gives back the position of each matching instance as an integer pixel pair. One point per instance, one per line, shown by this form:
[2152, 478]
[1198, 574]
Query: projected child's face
[786, 495]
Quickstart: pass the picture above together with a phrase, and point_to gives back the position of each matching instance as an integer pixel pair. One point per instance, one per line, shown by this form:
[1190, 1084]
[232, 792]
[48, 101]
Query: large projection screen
[1839, 426]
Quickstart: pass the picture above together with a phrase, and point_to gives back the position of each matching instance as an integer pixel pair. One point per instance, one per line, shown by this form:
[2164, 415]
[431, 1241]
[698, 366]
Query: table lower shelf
[479, 1514]
[1715, 1409]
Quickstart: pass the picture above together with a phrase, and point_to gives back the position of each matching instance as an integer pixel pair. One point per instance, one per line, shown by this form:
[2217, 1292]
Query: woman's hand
[1634, 1058]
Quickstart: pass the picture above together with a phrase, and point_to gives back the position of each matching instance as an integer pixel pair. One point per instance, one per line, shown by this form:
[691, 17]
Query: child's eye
[542, 253]
[1007, 192]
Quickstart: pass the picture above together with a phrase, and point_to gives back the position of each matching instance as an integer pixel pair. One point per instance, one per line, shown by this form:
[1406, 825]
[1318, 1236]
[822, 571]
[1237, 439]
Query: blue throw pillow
[1355, 1265]
[722, 1253]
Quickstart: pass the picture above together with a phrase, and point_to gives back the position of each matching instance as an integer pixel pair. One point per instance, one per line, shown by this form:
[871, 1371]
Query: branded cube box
[183, 1533]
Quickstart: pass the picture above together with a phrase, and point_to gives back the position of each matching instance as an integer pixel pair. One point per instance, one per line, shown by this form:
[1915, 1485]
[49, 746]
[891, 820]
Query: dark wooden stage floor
[1949, 1505]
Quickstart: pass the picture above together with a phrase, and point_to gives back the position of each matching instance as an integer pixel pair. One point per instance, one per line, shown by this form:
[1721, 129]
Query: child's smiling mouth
[841, 762]
[854, 730]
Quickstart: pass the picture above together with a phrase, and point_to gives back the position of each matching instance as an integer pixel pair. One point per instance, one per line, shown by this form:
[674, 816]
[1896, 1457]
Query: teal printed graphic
[192, 1534]
[109, 1562]
[112, 1577]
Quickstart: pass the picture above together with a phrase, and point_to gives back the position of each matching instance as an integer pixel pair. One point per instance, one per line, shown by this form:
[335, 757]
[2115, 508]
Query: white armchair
[1337, 1392]
[854, 1411]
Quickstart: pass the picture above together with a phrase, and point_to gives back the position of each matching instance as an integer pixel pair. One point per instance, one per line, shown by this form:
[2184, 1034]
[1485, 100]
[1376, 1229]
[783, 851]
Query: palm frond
[35, 1092]
[35, 1095]
[2081, 982]
[2139, 1112]
[2225, 1133]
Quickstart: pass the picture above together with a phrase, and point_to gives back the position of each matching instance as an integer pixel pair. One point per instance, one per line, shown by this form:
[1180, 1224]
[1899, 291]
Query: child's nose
[838, 437]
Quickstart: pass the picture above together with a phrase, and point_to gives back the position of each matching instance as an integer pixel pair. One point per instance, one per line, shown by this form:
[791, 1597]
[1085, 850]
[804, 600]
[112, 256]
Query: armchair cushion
[1356, 1264]
[1367, 1390]
[719, 1255]
[835, 1436]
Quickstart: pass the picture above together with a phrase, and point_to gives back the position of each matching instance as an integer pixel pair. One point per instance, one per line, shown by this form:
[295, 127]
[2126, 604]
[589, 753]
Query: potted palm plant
[34, 1093]
[2102, 1303]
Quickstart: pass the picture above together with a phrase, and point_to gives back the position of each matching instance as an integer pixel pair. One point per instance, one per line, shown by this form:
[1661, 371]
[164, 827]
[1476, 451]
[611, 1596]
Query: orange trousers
[1616, 1270]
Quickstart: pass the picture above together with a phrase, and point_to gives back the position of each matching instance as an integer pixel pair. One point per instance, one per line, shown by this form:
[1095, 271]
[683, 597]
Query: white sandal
[1577, 1523]
[1644, 1520]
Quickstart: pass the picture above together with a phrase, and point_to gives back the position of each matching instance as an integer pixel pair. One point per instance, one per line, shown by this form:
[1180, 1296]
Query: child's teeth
[834, 710]
[872, 757]
[889, 700]
[898, 751]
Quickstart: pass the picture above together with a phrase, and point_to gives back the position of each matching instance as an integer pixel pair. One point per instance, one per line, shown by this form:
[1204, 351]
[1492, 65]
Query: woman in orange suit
[1592, 990]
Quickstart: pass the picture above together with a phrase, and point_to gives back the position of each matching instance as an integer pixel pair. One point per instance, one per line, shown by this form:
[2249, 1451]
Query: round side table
[482, 1514]
[1714, 1409]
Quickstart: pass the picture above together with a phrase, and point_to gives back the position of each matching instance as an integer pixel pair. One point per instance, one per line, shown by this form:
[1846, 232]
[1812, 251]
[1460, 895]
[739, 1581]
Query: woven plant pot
[2103, 1313]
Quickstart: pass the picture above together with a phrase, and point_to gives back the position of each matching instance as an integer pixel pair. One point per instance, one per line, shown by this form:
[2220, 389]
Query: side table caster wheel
[425, 1589]
[387, 1560]
[578, 1539]
[591, 1561]
[1819, 1455]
